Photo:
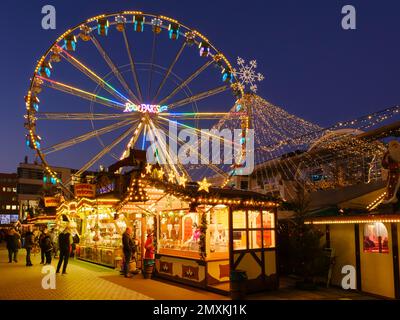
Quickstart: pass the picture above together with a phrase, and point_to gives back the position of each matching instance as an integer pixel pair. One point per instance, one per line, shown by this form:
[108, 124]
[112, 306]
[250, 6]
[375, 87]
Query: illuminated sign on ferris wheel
[144, 108]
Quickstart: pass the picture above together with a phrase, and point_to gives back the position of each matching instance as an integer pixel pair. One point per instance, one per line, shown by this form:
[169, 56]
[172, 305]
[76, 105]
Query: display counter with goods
[193, 246]
[101, 239]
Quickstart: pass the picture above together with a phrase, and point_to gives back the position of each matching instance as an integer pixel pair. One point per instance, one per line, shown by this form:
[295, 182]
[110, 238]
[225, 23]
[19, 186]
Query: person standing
[128, 247]
[47, 246]
[41, 245]
[13, 240]
[29, 241]
[64, 245]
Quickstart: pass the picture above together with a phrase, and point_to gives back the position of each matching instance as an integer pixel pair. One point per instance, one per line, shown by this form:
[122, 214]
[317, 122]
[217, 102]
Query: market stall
[99, 229]
[203, 235]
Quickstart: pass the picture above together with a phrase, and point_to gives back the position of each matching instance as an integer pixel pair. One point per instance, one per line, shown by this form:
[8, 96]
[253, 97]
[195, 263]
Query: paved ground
[86, 281]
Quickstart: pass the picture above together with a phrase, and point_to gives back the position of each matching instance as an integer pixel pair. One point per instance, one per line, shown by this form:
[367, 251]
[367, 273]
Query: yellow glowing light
[182, 181]
[171, 177]
[204, 185]
[148, 168]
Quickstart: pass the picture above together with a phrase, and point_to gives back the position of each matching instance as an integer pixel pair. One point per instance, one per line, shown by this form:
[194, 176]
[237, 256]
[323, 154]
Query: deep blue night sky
[313, 68]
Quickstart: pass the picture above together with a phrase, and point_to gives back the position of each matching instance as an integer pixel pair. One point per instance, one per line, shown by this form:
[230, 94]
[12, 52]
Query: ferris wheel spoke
[81, 93]
[199, 131]
[185, 82]
[82, 116]
[132, 64]
[133, 140]
[197, 115]
[181, 167]
[166, 157]
[114, 68]
[92, 75]
[169, 71]
[202, 158]
[153, 52]
[86, 136]
[199, 96]
[103, 152]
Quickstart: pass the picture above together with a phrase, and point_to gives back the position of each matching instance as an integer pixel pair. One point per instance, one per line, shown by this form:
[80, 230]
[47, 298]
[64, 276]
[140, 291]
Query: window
[29, 188]
[258, 233]
[219, 230]
[4, 189]
[376, 238]
[179, 230]
[14, 207]
[14, 189]
[8, 207]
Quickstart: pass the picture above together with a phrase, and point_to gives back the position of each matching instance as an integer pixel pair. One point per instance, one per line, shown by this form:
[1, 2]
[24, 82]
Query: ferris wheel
[111, 81]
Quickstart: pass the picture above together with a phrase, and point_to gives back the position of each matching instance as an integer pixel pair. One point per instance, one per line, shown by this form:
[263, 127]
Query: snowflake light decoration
[247, 74]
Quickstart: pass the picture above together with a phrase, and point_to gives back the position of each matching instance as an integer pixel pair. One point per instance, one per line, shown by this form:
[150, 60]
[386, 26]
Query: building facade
[9, 206]
[33, 185]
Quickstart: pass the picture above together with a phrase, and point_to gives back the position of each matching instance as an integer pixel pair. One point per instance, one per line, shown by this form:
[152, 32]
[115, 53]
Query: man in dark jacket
[13, 239]
[128, 248]
[47, 246]
[41, 245]
[64, 244]
[29, 240]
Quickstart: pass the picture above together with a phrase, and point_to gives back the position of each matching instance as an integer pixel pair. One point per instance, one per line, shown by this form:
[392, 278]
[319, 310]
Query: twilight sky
[313, 68]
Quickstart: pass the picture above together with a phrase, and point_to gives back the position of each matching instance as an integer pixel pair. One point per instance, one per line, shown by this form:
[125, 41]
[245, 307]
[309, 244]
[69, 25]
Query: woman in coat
[13, 240]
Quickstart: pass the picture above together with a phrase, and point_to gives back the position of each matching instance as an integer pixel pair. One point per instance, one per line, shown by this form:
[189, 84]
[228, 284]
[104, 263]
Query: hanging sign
[51, 202]
[86, 190]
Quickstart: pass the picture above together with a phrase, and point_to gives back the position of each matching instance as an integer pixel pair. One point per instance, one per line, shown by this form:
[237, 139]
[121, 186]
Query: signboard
[86, 190]
[51, 202]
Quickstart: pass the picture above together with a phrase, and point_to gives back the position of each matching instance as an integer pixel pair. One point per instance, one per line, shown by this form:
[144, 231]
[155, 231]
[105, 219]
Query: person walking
[64, 245]
[13, 241]
[47, 246]
[29, 241]
[128, 247]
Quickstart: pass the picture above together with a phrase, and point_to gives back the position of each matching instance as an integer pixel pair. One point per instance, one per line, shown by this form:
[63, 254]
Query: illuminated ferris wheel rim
[154, 21]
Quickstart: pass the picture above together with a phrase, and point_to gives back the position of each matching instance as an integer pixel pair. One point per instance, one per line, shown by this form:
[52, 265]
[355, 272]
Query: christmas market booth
[364, 232]
[93, 221]
[369, 244]
[203, 236]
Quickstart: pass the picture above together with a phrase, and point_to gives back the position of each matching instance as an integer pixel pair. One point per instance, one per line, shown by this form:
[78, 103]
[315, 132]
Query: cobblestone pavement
[86, 281]
[18, 282]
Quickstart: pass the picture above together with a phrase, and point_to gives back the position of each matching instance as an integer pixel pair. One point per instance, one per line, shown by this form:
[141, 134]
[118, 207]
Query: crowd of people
[47, 242]
[50, 245]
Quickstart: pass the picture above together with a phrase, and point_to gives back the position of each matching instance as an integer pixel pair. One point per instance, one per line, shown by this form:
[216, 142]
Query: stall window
[219, 229]
[179, 230]
[376, 238]
[257, 233]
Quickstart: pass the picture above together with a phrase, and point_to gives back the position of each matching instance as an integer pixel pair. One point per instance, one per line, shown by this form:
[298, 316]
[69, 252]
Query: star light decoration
[246, 74]
[204, 185]
[182, 180]
[171, 177]
[160, 174]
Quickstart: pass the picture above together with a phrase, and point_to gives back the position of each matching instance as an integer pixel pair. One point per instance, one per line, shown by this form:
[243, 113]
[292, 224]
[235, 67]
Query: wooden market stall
[368, 243]
[203, 234]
